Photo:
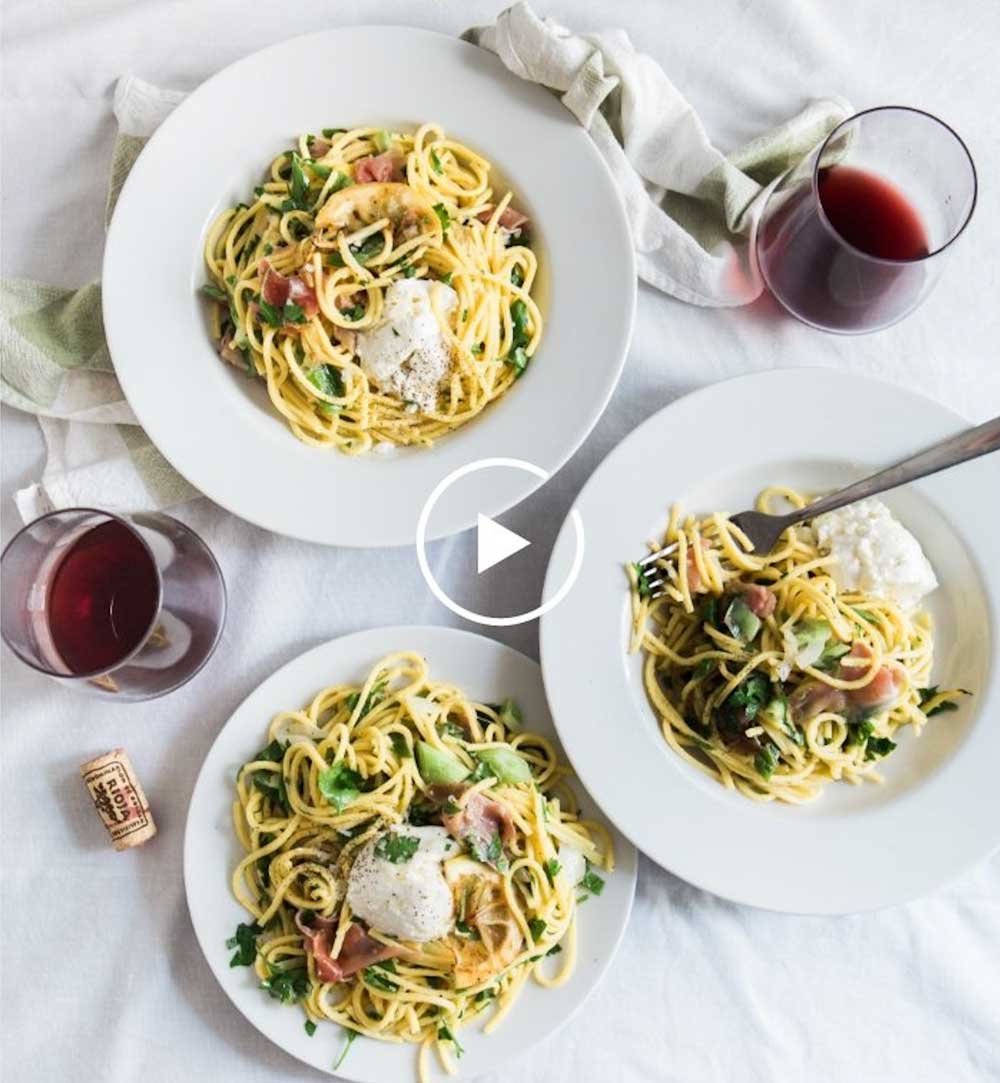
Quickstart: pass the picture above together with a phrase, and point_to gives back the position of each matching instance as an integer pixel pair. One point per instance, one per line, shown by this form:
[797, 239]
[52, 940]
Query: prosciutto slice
[480, 821]
[378, 169]
[358, 950]
[278, 290]
[510, 219]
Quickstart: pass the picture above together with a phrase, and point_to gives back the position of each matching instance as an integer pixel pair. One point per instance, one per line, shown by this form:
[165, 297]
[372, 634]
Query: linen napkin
[691, 210]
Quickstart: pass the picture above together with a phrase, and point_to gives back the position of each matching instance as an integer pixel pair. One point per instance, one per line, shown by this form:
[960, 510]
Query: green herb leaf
[551, 867]
[396, 849]
[216, 294]
[859, 732]
[442, 216]
[517, 276]
[486, 994]
[310, 1027]
[327, 379]
[339, 785]
[446, 278]
[766, 760]
[400, 747]
[374, 977]
[321, 169]
[592, 882]
[271, 314]
[445, 1035]
[352, 1035]
[518, 359]
[329, 133]
[927, 694]
[245, 942]
[299, 185]
[519, 321]
[490, 851]
[382, 139]
[878, 747]
[704, 667]
[436, 162]
[293, 313]
[287, 986]
[537, 927]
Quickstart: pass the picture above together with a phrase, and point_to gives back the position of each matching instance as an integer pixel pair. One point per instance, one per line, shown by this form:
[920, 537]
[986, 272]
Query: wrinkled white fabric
[102, 977]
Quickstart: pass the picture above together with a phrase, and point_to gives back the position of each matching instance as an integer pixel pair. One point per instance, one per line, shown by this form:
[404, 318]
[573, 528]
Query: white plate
[486, 670]
[216, 427]
[854, 848]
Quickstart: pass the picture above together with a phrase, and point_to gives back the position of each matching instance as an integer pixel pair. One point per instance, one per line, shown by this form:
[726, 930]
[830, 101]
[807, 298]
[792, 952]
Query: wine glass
[126, 607]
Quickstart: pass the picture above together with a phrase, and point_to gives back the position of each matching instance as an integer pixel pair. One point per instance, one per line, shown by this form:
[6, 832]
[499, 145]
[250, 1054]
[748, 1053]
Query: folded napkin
[692, 212]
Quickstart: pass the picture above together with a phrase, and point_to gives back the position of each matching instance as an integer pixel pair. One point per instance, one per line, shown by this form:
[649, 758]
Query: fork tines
[645, 566]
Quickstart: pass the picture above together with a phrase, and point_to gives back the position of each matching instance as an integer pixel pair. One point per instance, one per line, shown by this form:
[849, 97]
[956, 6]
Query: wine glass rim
[860, 251]
[91, 674]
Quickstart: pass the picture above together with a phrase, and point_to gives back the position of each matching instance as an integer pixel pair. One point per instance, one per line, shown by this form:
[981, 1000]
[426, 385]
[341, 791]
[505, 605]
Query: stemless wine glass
[127, 607]
[851, 239]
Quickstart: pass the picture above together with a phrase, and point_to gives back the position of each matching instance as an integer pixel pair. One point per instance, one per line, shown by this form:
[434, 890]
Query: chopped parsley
[446, 278]
[216, 294]
[375, 977]
[517, 276]
[287, 986]
[436, 162]
[641, 582]
[704, 667]
[592, 882]
[339, 785]
[400, 747]
[445, 1035]
[351, 1034]
[490, 852]
[537, 927]
[927, 694]
[442, 216]
[375, 697]
[299, 188]
[551, 867]
[396, 849]
[878, 747]
[310, 1027]
[245, 942]
[327, 379]
[766, 760]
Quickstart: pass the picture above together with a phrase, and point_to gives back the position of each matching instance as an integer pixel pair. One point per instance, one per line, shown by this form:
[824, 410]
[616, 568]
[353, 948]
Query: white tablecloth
[103, 978]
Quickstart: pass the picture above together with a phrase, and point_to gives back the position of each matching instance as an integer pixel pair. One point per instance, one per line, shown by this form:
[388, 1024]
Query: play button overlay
[495, 543]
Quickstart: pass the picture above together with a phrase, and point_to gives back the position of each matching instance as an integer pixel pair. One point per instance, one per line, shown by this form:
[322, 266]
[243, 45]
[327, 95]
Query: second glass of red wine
[852, 239]
[128, 607]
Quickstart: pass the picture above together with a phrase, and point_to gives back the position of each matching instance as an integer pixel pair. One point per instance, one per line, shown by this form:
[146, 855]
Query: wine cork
[119, 799]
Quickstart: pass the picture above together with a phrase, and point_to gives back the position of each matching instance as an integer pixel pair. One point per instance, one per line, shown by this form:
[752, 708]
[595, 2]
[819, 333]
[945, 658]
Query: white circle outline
[421, 540]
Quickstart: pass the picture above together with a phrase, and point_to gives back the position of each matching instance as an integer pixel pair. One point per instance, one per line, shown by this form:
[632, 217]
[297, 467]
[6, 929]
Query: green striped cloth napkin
[54, 363]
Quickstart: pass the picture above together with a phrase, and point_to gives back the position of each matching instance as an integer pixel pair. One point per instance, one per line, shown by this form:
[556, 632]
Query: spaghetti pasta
[302, 274]
[763, 673]
[351, 774]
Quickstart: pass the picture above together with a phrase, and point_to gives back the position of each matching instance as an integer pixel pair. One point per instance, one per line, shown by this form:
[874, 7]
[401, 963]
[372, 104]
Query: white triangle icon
[495, 543]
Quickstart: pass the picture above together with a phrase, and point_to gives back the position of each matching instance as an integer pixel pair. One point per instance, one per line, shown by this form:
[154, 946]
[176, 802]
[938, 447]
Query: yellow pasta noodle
[347, 769]
[763, 673]
[333, 242]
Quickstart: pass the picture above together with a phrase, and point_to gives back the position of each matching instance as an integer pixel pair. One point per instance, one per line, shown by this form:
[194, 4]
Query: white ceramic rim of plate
[209, 835]
[235, 450]
[719, 841]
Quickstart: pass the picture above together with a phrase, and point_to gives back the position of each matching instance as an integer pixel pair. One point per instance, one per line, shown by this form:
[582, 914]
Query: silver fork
[764, 530]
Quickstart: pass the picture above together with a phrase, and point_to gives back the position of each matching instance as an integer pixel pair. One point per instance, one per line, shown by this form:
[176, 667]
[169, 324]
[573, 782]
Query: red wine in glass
[122, 606]
[102, 599]
[871, 214]
[850, 239]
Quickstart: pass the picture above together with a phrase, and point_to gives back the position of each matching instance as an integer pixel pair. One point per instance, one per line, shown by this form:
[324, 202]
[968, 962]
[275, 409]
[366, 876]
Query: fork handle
[969, 444]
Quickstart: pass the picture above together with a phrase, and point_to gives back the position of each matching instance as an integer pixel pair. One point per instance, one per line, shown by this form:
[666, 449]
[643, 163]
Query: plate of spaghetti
[361, 288]
[812, 721]
[418, 886]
